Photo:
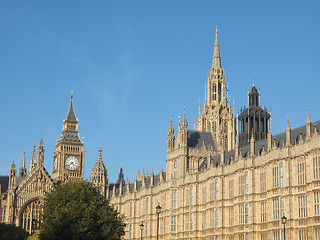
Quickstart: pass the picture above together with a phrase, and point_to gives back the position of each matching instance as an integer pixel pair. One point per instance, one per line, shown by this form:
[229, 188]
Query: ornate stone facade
[219, 184]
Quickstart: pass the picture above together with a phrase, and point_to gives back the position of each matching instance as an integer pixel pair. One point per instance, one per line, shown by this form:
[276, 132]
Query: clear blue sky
[133, 63]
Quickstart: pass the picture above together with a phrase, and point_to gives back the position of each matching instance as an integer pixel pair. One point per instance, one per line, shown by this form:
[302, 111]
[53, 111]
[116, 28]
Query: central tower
[217, 116]
[68, 156]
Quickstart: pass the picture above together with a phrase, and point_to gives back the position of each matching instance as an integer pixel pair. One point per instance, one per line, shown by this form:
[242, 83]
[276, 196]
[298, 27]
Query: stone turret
[33, 162]
[11, 193]
[40, 153]
[288, 134]
[308, 127]
[99, 175]
[23, 169]
[170, 137]
[253, 118]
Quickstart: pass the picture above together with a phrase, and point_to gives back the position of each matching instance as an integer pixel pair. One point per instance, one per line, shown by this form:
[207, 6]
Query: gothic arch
[30, 214]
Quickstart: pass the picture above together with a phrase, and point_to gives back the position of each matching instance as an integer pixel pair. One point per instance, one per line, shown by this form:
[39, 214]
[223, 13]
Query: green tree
[75, 210]
[11, 232]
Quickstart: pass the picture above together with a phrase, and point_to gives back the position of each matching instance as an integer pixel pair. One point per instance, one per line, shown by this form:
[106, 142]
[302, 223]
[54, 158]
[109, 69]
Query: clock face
[175, 164]
[55, 163]
[72, 163]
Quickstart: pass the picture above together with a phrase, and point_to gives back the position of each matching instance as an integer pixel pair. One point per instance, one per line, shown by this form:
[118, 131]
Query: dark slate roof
[20, 179]
[70, 138]
[4, 181]
[195, 139]
[71, 117]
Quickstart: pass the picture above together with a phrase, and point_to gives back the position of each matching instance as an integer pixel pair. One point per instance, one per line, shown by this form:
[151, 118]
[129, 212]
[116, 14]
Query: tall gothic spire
[33, 162]
[71, 117]
[23, 170]
[216, 62]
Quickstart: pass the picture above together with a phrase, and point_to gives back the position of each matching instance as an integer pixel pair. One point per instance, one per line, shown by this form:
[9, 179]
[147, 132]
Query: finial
[170, 118]
[179, 119]
[71, 93]
[253, 81]
[100, 151]
[216, 29]
[308, 113]
[288, 118]
[184, 111]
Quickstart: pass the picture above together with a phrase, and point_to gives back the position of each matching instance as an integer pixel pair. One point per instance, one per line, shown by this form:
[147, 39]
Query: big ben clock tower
[68, 156]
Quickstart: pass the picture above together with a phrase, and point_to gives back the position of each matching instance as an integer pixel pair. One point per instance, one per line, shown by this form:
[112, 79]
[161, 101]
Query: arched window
[30, 216]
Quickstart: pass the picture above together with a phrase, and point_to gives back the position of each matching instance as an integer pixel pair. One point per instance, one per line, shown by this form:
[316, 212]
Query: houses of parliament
[229, 178]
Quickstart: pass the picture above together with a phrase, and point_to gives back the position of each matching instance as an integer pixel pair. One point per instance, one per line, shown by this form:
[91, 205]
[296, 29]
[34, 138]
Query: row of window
[277, 181]
[277, 235]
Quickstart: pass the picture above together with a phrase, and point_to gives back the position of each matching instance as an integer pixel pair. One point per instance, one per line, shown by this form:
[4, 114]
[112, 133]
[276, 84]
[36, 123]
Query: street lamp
[141, 229]
[158, 210]
[284, 221]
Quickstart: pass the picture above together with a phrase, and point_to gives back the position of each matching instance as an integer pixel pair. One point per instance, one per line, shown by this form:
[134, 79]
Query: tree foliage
[75, 210]
[11, 232]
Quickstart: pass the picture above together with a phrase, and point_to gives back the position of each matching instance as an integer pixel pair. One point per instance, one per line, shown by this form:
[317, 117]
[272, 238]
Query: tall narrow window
[275, 209]
[217, 189]
[241, 213]
[303, 234]
[130, 231]
[219, 92]
[281, 175]
[282, 207]
[316, 203]
[130, 209]
[147, 206]
[217, 218]
[263, 209]
[276, 235]
[246, 213]
[231, 216]
[263, 182]
[316, 168]
[246, 182]
[317, 232]
[191, 221]
[208, 127]
[302, 205]
[212, 192]
[214, 130]
[174, 199]
[214, 97]
[147, 228]
[204, 195]
[191, 195]
[231, 189]
[3, 215]
[263, 236]
[211, 218]
[204, 220]
[275, 177]
[173, 223]
[243, 184]
[302, 178]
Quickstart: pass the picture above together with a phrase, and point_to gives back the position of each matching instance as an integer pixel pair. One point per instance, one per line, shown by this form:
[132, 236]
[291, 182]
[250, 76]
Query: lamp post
[284, 221]
[141, 229]
[158, 210]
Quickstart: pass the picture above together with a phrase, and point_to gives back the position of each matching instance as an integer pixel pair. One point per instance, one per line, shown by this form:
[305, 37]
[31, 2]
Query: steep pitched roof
[71, 117]
[197, 139]
[4, 181]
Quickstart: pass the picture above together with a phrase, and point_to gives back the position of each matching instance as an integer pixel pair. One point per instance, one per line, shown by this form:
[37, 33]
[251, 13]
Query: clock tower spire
[68, 156]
